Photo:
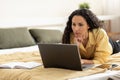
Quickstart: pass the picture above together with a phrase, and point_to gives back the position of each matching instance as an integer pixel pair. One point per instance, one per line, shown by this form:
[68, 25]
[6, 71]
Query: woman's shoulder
[99, 31]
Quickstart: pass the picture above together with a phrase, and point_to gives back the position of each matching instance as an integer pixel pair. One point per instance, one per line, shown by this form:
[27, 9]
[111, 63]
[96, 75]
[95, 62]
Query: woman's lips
[76, 34]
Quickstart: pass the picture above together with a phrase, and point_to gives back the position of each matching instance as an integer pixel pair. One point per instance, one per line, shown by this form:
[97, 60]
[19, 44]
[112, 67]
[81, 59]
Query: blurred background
[45, 12]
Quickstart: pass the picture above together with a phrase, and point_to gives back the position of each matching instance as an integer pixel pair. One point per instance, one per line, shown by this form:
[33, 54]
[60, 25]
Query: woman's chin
[76, 36]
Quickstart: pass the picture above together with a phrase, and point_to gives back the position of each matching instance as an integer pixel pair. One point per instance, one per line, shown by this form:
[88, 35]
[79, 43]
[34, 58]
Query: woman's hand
[78, 39]
[85, 61]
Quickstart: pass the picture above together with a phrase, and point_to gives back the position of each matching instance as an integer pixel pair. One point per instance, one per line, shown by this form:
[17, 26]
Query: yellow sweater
[98, 47]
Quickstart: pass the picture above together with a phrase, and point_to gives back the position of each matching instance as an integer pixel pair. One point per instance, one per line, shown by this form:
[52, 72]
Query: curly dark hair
[91, 19]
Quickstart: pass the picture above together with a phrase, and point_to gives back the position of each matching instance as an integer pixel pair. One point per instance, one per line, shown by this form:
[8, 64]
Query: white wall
[27, 12]
[42, 8]
[112, 7]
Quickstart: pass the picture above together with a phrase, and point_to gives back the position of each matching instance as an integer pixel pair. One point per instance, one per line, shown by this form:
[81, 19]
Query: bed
[19, 44]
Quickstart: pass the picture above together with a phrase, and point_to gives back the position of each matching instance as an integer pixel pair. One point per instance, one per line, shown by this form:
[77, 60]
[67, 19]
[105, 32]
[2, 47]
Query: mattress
[27, 54]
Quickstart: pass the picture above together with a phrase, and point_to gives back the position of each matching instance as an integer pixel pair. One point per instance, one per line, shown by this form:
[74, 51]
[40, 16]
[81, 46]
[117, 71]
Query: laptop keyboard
[87, 66]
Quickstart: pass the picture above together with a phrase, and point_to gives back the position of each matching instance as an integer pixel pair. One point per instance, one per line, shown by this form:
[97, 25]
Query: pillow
[15, 37]
[46, 36]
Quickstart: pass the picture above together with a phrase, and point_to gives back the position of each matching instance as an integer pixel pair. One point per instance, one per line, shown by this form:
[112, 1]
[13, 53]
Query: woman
[83, 29]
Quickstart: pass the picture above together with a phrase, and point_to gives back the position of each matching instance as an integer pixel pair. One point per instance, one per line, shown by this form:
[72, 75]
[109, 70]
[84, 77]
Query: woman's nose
[77, 28]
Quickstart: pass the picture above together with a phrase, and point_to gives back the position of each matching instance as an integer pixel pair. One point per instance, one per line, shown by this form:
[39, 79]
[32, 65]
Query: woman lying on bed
[84, 29]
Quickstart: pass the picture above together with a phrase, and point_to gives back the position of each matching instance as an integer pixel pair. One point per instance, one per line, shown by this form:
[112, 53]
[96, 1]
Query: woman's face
[79, 26]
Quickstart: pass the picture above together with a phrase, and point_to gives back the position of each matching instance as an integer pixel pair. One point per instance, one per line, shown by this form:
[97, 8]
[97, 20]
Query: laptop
[65, 56]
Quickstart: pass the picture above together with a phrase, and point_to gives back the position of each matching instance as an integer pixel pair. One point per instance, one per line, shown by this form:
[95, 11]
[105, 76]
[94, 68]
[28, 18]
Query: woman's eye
[73, 24]
[80, 24]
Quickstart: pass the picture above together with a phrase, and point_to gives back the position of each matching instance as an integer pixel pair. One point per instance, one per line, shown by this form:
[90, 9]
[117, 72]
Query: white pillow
[22, 49]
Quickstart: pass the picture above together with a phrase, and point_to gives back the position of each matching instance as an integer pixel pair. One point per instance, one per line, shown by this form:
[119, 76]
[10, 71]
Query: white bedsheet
[22, 49]
[100, 76]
